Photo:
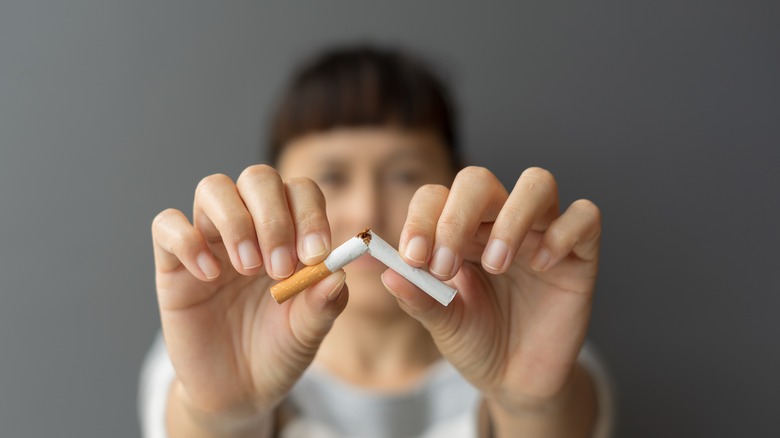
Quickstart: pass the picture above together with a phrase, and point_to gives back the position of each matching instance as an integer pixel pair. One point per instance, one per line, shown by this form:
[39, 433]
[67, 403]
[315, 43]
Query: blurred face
[368, 177]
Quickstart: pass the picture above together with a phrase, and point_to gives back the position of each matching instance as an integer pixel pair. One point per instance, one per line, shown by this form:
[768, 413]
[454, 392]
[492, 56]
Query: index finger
[475, 198]
[533, 204]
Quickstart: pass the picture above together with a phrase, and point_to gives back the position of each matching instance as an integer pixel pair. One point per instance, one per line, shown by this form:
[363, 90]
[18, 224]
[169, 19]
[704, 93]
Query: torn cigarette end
[284, 290]
[365, 235]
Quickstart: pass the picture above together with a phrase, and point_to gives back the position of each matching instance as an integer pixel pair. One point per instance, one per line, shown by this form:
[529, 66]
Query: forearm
[572, 414]
[183, 421]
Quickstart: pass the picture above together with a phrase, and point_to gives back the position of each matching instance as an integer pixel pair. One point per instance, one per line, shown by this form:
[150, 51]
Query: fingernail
[417, 250]
[281, 262]
[495, 254]
[313, 247]
[207, 265]
[541, 260]
[443, 262]
[248, 254]
[338, 277]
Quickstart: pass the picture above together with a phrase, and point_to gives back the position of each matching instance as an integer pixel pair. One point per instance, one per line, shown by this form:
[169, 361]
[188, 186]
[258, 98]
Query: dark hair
[357, 86]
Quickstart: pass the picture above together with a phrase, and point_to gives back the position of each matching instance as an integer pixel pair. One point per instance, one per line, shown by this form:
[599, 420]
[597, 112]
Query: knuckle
[163, 217]
[164, 224]
[233, 224]
[428, 191]
[512, 213]
[307, 187]
[475, 173]
[557, 237]
[538, 180]
[426, 196]
[258, 170]
[539, 175]
[272, 221]
[588, 207]
[593, 213]
[182, 240]
[420, 223]
[311, 219]
[211, 181]
[186, 243]
[302, 182]
[449, 228]
[452, 220]
[238, 226]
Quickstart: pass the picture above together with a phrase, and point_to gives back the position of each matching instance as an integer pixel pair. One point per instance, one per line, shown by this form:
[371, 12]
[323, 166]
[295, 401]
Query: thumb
[439, 320]
[313, 311]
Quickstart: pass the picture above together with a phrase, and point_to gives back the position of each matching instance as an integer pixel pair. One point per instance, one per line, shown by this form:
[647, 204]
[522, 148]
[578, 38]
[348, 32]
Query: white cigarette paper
[386, 254]
[345, 254]
[350, 250]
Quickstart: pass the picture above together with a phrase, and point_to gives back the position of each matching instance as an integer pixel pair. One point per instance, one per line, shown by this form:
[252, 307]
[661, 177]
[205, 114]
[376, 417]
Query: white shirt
[442, 405]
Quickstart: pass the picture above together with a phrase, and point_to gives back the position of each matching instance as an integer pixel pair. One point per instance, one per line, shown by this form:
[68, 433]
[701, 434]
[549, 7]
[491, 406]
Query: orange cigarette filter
[338, 258]
[291, 286]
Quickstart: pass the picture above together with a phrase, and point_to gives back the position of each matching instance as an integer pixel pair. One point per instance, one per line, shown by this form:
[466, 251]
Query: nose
[365, 204]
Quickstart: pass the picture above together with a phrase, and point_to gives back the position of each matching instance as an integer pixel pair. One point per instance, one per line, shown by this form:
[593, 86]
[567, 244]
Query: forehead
[363, 146]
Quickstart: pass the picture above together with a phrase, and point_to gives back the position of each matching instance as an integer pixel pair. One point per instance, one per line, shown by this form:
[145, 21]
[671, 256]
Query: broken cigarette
[431, 285]
[340, 257]
[365, 241]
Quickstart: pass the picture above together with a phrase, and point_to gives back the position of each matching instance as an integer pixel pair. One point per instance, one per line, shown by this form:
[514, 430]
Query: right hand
[236, 351]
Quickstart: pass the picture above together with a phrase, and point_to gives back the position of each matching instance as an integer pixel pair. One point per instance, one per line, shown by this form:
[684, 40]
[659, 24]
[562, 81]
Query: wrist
[185, 419]
[569, 412]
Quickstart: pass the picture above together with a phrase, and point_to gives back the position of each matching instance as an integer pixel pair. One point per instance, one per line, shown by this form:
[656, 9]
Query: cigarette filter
[340, 257]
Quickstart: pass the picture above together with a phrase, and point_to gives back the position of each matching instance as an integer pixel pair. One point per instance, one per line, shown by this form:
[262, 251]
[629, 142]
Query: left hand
[525, 275]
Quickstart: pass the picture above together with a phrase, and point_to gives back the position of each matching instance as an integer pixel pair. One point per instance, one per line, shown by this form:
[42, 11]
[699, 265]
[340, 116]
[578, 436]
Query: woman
[365, 137]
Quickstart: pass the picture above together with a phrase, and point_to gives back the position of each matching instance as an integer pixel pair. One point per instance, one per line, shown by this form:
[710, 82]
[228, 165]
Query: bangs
[362, 87]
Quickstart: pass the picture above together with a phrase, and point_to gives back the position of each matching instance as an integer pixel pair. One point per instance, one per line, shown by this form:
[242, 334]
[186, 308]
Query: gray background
[664, 113]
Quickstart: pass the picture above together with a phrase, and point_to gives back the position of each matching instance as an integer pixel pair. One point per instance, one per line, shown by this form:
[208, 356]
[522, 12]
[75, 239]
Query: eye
[332, 179]
[406, 177]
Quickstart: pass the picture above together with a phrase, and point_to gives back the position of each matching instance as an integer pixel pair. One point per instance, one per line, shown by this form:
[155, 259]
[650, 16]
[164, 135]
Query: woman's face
[368, 177]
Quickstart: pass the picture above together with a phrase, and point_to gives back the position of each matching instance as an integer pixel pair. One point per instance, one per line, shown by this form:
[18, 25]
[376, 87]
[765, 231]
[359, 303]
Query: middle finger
[476, 197]
[263, 192]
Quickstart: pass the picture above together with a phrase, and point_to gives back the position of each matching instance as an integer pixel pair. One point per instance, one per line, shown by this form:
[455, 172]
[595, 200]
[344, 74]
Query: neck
[387, 351]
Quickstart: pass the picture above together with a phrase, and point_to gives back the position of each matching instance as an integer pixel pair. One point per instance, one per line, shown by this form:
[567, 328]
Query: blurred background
[665, 113]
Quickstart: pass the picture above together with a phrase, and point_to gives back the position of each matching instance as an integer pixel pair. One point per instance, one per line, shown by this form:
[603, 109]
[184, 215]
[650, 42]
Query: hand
[237, 352]
[525, 276]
